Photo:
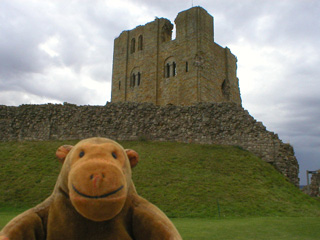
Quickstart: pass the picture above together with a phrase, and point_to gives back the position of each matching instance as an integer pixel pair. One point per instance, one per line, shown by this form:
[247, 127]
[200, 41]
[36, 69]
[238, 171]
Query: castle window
[140, 43]
[133, 45]
[119, 85]
[133, 80]
[187, 67]
[170, 67]
[135, 77]
[167, 70]
[139, 78]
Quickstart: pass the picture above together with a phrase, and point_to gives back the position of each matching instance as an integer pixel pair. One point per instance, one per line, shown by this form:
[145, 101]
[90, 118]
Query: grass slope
[184, 180]
[262, 228]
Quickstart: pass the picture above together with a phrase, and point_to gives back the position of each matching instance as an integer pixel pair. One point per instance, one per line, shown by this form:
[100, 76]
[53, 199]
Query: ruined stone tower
[148, 66]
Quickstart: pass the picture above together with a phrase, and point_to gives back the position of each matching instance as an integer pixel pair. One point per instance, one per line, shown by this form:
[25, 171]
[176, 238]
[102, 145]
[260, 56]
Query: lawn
[193, 184]
[264, 228]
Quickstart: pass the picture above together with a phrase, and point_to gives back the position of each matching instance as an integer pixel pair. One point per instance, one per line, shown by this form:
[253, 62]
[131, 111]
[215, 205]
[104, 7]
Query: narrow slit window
[140, 43]
[167, 70]
[174, 69]
[139, 78]
[119, 85]
[133, 80]
[187, 67]
[133, 45]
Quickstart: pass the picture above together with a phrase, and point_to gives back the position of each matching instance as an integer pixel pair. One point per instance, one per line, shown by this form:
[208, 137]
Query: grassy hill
[184, 180]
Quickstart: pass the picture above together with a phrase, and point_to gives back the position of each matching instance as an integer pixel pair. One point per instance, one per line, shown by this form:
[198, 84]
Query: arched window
[140, 43]
[167, 70]
[133, 45]
[170, 67]
[139, 78]
[174, 69]
[135, 77]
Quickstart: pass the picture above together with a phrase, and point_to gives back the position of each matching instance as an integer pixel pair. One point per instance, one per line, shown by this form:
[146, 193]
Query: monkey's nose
[96, 179]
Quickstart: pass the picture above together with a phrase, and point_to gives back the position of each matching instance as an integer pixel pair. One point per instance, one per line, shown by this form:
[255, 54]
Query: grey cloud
[27, 25]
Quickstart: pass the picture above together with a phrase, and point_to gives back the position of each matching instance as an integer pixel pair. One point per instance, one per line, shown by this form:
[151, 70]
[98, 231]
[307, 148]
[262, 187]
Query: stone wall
[314, 188]
[205, 123]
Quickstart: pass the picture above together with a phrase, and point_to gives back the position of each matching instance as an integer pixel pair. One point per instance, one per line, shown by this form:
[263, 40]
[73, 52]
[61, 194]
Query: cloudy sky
[61, 51]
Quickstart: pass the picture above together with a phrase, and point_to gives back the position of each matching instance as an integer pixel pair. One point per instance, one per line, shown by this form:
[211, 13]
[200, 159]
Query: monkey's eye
[114, 155]
[81, 154]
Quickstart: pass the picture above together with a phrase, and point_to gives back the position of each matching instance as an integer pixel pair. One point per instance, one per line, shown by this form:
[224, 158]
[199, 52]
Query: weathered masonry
[205, 123]
[148, 66]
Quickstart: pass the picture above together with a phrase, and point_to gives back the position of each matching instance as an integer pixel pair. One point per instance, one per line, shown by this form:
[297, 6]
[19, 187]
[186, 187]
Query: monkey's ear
[133, 157]
[62, 152]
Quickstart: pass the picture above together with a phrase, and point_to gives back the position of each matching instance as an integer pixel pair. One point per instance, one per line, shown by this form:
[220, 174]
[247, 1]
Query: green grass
[271, 228]
[184, 180]
[6, 216]
[28, 172]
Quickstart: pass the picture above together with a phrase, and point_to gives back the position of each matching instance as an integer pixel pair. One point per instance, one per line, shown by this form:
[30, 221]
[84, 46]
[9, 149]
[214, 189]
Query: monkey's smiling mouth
[96, 197]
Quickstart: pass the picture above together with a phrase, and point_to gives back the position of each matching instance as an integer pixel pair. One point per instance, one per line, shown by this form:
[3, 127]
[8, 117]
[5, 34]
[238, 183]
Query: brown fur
[94, 198]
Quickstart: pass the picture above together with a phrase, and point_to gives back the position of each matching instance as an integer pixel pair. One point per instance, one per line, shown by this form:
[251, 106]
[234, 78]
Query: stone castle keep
[183, 90]
[148, 66]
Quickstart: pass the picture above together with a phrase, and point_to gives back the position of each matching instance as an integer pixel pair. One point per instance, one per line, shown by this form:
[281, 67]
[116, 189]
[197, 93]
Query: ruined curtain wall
[205, 123]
